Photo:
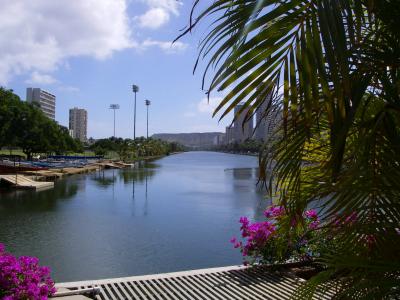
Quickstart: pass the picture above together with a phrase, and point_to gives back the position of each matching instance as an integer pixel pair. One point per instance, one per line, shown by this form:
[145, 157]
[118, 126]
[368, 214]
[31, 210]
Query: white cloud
[158, 13]
[154, 18]
[39, 35]
[208, 105]
[167, 47]
[171, 6]
[37, 78]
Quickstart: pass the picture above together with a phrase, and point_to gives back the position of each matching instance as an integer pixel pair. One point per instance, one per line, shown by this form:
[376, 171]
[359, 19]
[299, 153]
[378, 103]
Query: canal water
[175, 213]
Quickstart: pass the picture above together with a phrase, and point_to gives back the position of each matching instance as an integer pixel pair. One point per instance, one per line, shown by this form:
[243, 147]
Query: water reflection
[243, 173]
[177, 213]
[104, 178]
[138, 174]
[47, 200]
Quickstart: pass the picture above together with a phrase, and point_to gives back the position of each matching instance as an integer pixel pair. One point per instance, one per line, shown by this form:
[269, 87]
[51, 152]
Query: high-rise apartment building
[229, 135]
[267, 122]
[242, 130]
[78, 123]
[45, 100]
[239, 131]
[263, 119]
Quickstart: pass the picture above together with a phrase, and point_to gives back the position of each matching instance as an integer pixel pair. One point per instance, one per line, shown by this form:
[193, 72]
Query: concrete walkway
[235, 282]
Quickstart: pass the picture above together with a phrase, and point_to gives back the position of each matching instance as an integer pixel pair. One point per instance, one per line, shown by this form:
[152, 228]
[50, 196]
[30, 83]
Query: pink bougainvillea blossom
[23, 278]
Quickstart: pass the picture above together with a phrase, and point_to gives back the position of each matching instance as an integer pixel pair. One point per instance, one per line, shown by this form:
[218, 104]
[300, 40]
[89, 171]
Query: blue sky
[89, 53]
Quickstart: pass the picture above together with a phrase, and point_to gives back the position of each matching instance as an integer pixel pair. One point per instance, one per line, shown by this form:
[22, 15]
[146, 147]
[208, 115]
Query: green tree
[24, 125]
[337, 148]
[10, 107]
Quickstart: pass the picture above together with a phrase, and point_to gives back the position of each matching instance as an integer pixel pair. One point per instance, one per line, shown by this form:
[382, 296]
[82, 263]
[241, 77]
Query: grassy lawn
[13, 152]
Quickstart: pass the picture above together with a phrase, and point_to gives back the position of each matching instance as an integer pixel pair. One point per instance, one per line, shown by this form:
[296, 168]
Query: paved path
[235, 282]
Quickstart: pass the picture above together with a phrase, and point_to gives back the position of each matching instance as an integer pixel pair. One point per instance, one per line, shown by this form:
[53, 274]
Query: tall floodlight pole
[114, 107]
[135, 89]
[147, 102]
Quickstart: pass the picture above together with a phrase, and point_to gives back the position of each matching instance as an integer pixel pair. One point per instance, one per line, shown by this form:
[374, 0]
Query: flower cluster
[256, 234]
[278, 238]
[312, 218]
[274, 211]
[23, 279]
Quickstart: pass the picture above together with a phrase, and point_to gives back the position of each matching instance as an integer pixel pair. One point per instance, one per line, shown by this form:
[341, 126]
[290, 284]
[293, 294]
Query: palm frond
[338, 144]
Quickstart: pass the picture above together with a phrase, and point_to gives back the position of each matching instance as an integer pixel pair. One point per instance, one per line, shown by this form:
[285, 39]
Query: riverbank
[52, 174]
[236, 152]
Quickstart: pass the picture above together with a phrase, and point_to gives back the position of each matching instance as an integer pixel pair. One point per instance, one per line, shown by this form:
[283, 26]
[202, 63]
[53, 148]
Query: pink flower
[23, 278]
[274, 211]
[244, 221]
[311, 214]
[314, 224]
[237, 245]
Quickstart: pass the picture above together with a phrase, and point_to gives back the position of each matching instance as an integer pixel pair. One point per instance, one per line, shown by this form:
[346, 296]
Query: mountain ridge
[189, 139]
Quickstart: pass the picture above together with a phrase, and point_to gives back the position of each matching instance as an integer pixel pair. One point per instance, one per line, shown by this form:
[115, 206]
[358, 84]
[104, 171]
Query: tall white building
[78, 123]
[242, 130]
[45, 100]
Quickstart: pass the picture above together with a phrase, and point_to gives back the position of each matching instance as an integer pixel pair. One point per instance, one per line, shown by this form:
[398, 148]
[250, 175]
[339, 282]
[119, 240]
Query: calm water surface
[176, 213]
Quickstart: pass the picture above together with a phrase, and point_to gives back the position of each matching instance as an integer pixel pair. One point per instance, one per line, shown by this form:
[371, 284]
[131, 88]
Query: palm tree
[334, 69]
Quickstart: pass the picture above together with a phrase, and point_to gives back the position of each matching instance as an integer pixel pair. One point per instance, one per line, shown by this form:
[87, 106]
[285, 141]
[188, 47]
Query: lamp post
[114, 107]
[135, 89]
[147, 102]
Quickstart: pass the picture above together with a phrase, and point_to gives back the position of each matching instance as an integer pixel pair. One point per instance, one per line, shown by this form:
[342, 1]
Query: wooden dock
[25, 178]
[21, 181]
[235, 282]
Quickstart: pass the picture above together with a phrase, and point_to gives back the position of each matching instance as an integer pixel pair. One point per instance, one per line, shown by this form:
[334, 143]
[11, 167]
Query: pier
[21, 181]
[39, 179]
[234, 282]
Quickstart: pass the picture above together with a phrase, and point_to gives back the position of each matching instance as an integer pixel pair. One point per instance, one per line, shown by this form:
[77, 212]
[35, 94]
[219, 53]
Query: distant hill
[198, 139]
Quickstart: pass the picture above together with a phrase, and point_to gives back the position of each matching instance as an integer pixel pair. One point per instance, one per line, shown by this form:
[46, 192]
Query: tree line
[129, 149]
[23, 125]
[245, 147]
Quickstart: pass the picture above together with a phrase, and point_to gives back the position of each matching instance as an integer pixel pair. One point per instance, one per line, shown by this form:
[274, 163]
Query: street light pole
[147, 102]
[135, 89]
[114, 107]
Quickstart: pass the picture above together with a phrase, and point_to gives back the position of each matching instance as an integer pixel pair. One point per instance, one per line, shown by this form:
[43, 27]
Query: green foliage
[337, 149]
[128, 149]
[23, 125]
[248, 146]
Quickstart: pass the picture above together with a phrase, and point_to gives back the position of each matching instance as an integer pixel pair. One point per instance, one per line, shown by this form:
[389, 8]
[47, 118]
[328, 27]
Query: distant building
[267, 122]
[263, 119]
[91, 141]
[78, 123]
[242, 130]
[219, 139]
[195, 140]
[45, 100]
[229, 135]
